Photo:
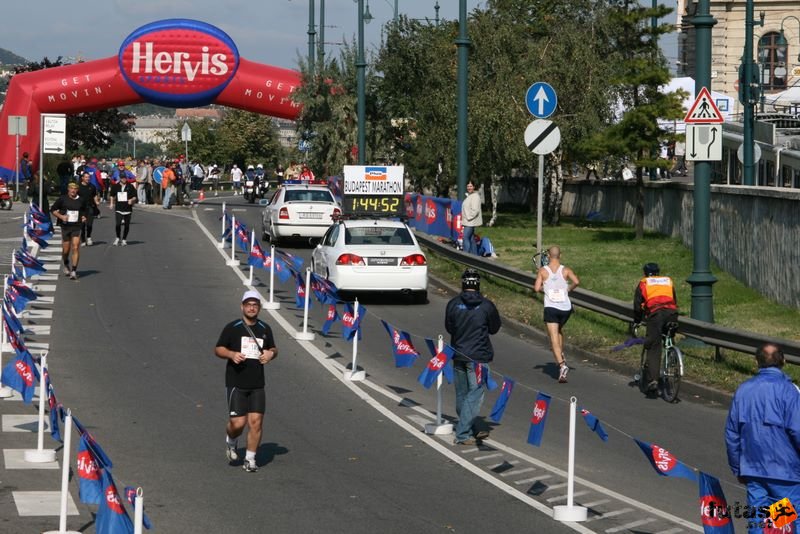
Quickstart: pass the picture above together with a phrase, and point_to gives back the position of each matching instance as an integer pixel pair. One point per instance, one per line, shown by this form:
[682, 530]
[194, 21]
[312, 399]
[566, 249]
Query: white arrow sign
[186, 132]
[54, 134]
[541, 99]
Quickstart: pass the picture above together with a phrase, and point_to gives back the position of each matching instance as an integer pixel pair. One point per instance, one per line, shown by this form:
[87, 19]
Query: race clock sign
[373, 190]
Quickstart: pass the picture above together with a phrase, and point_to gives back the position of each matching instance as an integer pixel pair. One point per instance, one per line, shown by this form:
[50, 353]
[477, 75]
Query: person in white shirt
[471, 218]
[236, 177]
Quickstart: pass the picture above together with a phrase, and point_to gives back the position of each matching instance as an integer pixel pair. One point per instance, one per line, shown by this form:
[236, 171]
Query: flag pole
[439, 427]
[65, 462]
[138, 511]
[40, 455]
[233, 262]
[272, 305]
[221, 243]
[570, 512]
[305, 335]
[252, 244]
[354, 375]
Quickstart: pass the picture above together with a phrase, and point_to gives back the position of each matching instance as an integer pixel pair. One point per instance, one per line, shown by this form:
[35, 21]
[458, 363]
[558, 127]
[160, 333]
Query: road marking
[610, 514]
[479, 458]
[670, 531]
[633, 524]
[564, 497]
[515, 472]
[557, 486]
[532, 479]
[595, 503]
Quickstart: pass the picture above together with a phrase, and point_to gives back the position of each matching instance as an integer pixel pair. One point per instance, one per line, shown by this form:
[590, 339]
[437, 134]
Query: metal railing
[709, 333]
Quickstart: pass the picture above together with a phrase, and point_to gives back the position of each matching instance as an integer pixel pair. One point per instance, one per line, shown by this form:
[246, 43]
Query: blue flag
[483, 376]
[130, 494]
[296, 262]
[112, 518]
[22, 289]
[39, 239]
[447, 370]
[324, 290]
[351, 325]
[21, 374]
[330, 319]
[403, 350]
[242, 237]
[664, 462]
[90, 488]
[714, 512]
[282, 269]
[13, 338]
[539, 418]
[300, 293]
[257, 258]
[500, 404]
[594, 424]
[16, 301]
[436, 365]
[31, 264]
[56, 409]
[99, 454]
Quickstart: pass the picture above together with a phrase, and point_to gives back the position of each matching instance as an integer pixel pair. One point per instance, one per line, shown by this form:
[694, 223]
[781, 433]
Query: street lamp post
[750, 88]
[462, 42]
[361, 64]
[321, 52]
[311, 34]
[701, 278]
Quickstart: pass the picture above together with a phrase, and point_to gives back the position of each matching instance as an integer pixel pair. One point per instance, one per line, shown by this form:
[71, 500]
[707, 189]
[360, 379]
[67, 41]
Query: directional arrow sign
[703, 142]
[541, 100]
[54, 139]
[186, 132]
[542, 137]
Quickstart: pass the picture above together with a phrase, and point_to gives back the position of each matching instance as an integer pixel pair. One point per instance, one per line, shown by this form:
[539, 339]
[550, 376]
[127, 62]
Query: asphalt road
[132, 355]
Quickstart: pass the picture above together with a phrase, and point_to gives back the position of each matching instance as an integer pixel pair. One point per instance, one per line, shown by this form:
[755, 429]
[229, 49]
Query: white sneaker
[116, 242]
[562, 374]
[230, 452]
[124, 243]
[250, 466]
[65, 269]
[89, 242]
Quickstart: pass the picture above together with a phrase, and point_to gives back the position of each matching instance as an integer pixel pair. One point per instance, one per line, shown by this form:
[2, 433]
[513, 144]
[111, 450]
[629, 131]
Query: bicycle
[539, 259]
[671, 364]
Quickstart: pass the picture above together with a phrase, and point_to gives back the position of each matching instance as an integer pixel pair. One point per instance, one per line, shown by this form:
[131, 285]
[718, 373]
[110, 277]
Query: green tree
[86, 132]
[640, 69]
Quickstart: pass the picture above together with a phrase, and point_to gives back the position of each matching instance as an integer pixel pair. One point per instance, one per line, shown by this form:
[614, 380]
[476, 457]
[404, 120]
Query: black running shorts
[68, 232]
[554, 315]
[244, 401]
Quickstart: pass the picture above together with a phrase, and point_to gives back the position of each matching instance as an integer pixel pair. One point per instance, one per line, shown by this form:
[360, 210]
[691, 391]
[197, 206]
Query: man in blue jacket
[762, 435]
[470, 319]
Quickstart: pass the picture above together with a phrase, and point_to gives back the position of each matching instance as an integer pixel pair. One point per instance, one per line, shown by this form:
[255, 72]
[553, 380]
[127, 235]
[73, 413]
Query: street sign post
[704, 110]
[703, 142]
[186, 136]
[53, 141]
[756, 153]
[541, 137]
[541, 100]
[17, 125]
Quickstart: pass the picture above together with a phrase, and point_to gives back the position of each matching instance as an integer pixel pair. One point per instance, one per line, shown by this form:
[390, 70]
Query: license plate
[309, 215]
[381, 261]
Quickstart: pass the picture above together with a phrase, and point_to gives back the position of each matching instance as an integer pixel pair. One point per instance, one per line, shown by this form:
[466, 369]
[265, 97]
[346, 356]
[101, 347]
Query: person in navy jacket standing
[762, 434]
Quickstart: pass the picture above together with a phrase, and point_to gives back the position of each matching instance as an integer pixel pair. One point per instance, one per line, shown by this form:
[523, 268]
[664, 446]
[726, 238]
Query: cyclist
[654, 301]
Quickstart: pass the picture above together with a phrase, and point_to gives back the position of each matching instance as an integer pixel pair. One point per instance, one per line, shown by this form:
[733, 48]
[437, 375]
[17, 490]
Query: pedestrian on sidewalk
[470, 318]
[123, 197]
[556, 281]
[471, 218]
[247, 345]
[70, 210]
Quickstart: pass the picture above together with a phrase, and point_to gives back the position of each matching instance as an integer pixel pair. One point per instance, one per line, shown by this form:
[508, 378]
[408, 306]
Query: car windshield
[308, 195]
[377, 235]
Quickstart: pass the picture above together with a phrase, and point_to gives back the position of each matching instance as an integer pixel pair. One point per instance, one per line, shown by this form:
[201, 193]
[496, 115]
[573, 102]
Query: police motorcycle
[250, 184]
[263, 183]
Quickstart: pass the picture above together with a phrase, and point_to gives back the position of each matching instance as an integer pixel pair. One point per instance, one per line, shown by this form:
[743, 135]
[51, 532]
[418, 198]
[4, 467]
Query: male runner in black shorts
[70, 210]
[248, 345]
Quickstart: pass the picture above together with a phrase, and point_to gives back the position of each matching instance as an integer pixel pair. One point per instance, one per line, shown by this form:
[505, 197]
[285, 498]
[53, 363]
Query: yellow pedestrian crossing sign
[704, 110]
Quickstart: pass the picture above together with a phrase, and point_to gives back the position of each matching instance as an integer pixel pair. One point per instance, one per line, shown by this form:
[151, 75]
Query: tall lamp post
[361, 64]
[462, 42]
[701, 278]
[750, 85]
[311, 34]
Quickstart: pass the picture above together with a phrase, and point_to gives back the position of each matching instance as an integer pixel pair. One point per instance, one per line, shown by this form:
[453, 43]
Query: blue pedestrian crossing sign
[541, 100]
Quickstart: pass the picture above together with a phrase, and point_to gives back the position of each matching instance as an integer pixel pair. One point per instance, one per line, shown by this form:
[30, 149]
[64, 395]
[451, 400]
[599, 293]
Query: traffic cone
[202, 195]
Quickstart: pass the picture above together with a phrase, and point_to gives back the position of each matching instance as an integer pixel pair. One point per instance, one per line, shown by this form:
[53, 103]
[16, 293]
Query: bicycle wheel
[640, 379]
[671, 380]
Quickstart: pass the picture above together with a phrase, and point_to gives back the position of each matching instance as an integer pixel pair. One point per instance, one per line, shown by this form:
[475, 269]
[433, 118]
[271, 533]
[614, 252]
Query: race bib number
[122, 196]
[250, 348]
[557, 295]
[72, 216]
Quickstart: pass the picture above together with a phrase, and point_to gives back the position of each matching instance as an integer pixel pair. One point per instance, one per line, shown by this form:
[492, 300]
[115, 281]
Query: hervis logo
[178, 62]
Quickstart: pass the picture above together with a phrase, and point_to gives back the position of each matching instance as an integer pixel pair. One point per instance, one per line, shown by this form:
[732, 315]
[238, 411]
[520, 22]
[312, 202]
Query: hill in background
[8, 57]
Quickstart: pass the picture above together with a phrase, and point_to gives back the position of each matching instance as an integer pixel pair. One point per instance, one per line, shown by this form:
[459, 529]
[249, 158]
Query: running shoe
[89, 242]
[230, 452]
[65, 269]
[250, 466]
[562, 373]
[73, 275]
[116, 242]
[124, 243]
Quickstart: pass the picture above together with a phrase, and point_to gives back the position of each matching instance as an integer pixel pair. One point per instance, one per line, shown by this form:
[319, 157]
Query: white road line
[532, 479]
[564, 497]
[613, 513]
[632, 524]
[479, 458]
[557, 486]
[504, 463]
[515, 472]
[595, 503]
[670, 531]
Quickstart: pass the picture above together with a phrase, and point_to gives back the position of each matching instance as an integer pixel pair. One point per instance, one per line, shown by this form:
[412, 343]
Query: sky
[268, 31]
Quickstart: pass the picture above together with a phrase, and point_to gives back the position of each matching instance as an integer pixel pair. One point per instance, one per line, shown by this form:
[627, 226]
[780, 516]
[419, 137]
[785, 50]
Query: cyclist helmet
[260, 165]
[471, 279]
[249, 167]
[651, 269]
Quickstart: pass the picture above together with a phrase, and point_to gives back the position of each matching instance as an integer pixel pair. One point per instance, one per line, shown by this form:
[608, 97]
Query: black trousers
[123, 218]
[652, 341]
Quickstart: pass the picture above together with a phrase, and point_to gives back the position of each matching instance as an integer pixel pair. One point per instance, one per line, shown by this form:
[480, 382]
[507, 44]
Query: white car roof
[386, 223]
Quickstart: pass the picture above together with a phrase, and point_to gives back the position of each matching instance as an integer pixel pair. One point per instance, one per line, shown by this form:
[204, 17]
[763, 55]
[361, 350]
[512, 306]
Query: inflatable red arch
[175, 63]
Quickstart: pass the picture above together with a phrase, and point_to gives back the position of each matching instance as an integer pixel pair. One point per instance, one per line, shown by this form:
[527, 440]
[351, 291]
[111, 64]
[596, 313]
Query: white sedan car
[299, 210]
[372, 255]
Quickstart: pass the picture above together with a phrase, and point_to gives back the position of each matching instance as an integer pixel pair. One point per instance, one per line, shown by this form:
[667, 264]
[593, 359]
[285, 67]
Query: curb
[699, 392]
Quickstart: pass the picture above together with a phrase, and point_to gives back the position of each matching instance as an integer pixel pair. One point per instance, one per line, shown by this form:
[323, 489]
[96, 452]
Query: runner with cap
[122, 198]
[247, 345]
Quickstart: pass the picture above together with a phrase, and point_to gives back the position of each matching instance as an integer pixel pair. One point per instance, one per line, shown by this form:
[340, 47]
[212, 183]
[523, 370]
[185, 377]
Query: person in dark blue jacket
[470, 318]
[762, 434]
